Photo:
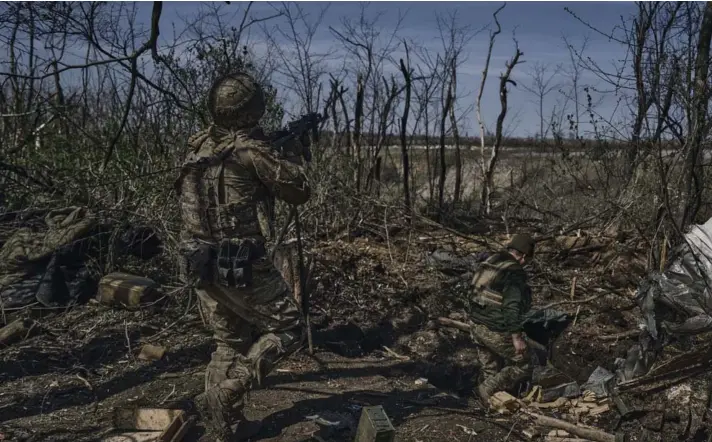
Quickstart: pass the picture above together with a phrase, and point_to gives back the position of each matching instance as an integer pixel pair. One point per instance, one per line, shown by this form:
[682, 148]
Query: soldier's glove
[196, 261]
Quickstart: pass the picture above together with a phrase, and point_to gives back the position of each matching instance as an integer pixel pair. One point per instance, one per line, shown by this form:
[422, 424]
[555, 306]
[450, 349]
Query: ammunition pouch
[234, 261]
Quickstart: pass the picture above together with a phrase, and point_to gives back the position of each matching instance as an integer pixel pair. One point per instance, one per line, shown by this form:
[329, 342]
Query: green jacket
[501, 296]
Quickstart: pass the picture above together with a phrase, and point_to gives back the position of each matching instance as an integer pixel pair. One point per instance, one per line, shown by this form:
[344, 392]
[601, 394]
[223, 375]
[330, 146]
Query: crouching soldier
[501, 298]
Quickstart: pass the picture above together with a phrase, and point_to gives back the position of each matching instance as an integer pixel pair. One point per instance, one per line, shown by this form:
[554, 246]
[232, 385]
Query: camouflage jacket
[501, 296]
[266, 207]
[227, 176]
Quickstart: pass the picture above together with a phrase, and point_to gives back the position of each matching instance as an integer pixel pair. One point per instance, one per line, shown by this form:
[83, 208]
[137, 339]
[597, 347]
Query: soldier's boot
[507, 379]
[221, 362]
[272, 348]
[484, 393]
[221, 409]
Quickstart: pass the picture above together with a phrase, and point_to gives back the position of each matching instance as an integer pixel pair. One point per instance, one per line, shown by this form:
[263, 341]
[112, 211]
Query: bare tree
[298, 63]
[367, 51]
[574, 72]
[447, 104]
[407, 72]
[542, 83]
[488, 167]
[454, 38]
[694, 171]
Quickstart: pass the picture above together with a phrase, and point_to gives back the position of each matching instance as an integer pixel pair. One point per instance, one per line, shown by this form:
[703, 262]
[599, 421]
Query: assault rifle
[296, 129]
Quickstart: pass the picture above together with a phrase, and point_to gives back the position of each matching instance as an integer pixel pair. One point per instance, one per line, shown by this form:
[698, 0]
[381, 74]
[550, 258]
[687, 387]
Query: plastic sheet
[683, 289]
[676, 302]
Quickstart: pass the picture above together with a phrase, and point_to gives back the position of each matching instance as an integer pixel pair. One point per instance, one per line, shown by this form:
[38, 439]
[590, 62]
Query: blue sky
[539, 27]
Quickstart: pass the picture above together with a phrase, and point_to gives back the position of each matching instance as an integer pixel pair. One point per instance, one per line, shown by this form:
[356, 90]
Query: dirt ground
[376, 344]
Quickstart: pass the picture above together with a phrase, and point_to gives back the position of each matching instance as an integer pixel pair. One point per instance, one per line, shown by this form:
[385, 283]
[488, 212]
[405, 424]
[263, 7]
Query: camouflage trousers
[500, 367]
[254, 328]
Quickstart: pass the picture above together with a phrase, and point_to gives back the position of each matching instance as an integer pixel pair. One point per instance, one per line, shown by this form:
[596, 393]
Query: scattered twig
[86, 382]
[396, 355]
[169, 395]
[569, 302]
[128, 339]
[623, 335]
[578, 310]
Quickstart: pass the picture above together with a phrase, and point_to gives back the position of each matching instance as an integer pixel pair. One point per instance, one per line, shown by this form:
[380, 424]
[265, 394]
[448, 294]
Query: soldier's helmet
[236, 101]
[522, 243]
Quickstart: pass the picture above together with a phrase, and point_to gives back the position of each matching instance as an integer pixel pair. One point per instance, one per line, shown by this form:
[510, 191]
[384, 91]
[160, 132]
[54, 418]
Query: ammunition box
[374, 426]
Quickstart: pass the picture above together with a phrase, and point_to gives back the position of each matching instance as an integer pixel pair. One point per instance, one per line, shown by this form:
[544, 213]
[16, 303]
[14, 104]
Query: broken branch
[588, 433]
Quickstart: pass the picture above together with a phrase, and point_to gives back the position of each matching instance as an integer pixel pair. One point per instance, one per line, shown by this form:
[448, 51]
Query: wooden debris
[599, 410]
[374, 426]
[151, 419]
[149, 424]
[16, 331]
[123, 289]
[560, 402]
[503, 402]
[587, 433]
[151, 352]
[560, 436]
[588, 396]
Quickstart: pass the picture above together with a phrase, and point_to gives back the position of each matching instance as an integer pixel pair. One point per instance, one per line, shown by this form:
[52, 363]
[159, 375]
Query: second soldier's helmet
[236, 101]
[522, 243]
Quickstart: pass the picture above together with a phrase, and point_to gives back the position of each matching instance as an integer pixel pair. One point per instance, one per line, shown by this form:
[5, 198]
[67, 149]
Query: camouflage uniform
[225, 179]
[501, 298]
[286, 258]
[285, 253]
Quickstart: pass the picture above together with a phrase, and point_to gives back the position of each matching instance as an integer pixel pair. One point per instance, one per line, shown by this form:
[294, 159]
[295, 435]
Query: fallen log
[16, 331]
[586, 433]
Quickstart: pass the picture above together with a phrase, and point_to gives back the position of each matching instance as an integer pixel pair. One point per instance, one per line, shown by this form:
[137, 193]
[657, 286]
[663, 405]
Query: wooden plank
[133, 436]
[587, 433]
[152, 419]
[177, 428]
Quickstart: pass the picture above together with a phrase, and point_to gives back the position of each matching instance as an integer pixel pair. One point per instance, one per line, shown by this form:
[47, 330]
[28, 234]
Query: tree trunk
[443, 169]
[456, 136]
[404, 127]
[694, 172]
[357, 130]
